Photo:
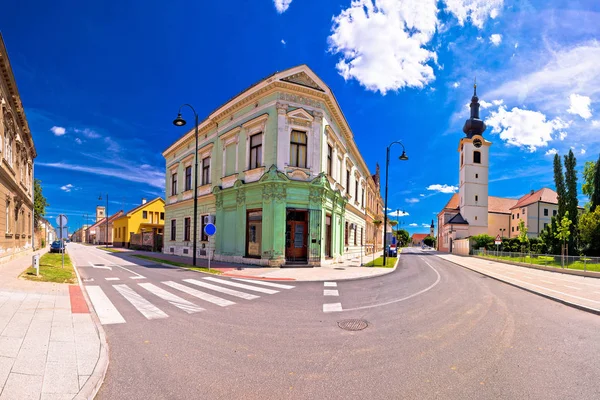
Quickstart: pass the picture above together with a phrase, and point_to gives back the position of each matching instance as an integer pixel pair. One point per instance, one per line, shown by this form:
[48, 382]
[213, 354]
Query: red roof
[544, 194]
[500, 204]
[419, 236]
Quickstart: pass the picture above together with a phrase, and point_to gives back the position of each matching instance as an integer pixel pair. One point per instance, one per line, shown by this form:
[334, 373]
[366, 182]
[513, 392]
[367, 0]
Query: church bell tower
[473, 175]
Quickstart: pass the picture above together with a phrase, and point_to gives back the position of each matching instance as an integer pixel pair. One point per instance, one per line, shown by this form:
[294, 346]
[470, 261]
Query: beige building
[17, 153]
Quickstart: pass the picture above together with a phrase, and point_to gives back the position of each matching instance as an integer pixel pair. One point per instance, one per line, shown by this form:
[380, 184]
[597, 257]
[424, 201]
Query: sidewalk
[575, 291]
[347, 270]
[49, 344]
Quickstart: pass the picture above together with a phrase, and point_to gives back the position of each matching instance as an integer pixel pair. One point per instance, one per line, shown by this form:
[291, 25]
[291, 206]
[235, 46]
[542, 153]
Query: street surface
[435, 330]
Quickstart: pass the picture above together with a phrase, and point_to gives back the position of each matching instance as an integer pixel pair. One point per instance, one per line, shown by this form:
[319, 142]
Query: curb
[564, 271]
[96, 379]
[547, 296]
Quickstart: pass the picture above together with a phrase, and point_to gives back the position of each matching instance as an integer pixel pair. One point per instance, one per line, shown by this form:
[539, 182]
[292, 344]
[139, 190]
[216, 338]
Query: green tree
[587, 187]
[559, 182]
[589, 232]
[39, 202]
[595, 196]
[429, 241]
[523, 238]
[403, 236]
[571, 193]
[483, 241]
[563, 232]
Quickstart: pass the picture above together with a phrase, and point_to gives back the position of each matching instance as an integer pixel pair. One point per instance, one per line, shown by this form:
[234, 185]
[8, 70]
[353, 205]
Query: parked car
[55, 247]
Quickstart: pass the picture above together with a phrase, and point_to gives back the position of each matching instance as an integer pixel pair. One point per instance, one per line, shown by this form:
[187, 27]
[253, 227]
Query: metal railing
[583, 263]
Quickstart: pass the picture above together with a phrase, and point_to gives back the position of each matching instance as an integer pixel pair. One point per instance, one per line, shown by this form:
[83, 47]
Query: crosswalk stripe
[242, 286]
[147, 309]
[177, 301]
[201, 295]
[112, 279]
[271, 284]
[230, 292]
[330, 284]
[137, 277]
[106, 311]
[330, 292]
[333, 307]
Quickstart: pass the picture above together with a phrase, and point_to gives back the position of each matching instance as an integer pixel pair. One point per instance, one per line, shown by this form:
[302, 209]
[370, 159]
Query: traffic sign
[210, 229]
[61, 220]
[498, 240]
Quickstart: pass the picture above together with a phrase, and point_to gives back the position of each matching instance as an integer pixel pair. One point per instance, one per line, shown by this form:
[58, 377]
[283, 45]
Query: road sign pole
[210, 230]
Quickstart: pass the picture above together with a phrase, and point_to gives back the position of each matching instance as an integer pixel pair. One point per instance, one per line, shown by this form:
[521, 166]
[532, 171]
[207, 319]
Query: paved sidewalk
[49, 343]
[575, 291]
[349, 269]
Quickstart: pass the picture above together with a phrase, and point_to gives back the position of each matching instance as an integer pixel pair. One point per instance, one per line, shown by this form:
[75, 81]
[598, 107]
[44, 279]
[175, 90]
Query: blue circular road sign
[210, 229]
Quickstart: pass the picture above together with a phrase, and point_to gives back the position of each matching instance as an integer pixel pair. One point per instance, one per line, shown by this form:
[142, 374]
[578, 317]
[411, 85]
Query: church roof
[419, 236]
[500, 205]
[544, 194]
[453, 202]
[457, 219]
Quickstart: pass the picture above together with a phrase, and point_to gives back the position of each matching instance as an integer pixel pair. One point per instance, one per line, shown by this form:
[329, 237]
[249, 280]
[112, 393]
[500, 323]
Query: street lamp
[179, 121]
[403, 157]
[105, 213]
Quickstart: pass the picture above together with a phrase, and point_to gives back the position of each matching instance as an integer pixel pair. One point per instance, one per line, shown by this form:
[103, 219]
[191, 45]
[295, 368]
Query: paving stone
[22, 387]
[82, 380]
[62, 352]
[61, 378]
[6, 364]
[9, 346]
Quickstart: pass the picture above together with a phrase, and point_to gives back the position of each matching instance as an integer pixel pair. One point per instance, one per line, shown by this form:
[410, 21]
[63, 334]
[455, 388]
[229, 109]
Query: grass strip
[51, 270]
[110, 249]
[178, 264]
[548, 262]
[391, 261]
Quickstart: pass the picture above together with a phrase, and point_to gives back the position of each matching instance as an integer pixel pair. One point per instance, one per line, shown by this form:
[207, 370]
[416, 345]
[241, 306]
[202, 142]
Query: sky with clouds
[101, 83]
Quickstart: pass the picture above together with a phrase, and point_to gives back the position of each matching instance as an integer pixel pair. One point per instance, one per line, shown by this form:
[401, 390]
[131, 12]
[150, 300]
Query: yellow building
[147, 217]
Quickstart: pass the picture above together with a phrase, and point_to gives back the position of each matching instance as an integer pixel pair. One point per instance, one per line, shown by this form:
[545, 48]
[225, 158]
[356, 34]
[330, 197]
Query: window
[347, 180]
[9, 152]
[545, 212]
[346, 234]
[476, 176]
[162, 216]
[554, 212]
[188, 178]
[518, 216]
[355, 190]
[255, 151]
[206, 171]
[203, 236]
[363, 198]
[254, 234]
[361, 235]
[513, 216]
[230, 159]
[476, 198]
[173, 229]
[298, 149]
[513, 228]
[477, 157]
[186, 229]
[145, 214]
[7, 217]
[523, 211]
[329, 160]
[355, 236]
[476, 218]
[173, 183]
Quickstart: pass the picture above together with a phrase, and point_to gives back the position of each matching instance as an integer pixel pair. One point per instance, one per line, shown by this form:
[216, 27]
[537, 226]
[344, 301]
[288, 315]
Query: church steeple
[474, 125]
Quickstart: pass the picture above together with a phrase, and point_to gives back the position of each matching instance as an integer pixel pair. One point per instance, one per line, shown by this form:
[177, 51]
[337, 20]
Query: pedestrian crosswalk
[205, 292]
[329, 292]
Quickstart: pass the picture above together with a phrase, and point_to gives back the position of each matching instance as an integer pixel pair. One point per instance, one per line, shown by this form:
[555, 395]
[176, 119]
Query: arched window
[477, 157]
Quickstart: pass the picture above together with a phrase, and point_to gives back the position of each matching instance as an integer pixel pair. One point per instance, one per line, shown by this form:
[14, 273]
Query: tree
[589, 232]
[39, 202]
[563, 232]
[482, 241]
[429, 241]
[595, 197]
[403, 236]
[393, 224]
[571, 196]
[559, 182]
[523, 238]
[587, 187]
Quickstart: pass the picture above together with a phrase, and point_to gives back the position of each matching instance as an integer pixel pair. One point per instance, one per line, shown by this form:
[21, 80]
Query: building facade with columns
[278, 173]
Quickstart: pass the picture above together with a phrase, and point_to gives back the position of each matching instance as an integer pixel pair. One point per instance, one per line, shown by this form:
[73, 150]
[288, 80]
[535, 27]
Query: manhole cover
[343, 269]
[353, 324]
[99, 265]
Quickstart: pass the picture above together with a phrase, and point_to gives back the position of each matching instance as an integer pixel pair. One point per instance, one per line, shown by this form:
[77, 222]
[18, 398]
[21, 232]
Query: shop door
[296, 236]
[328, 236]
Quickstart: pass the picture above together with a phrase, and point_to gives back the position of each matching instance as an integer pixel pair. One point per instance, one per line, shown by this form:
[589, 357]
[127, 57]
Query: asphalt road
[435, 331]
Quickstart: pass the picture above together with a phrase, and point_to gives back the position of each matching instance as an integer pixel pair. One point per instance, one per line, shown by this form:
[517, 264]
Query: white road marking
[271, 284]
[118, 266]
[147, 309]
[201, 295]
[330, 292]
[137, 277]
[106, 311]
[242, 286]
[330, 284]
[572, 287]
[333, 307]
[230, 292]
[177, 301]
[112, 279]
[99, 266]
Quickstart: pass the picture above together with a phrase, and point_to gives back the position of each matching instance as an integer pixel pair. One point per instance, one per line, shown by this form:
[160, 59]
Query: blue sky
[101, 84]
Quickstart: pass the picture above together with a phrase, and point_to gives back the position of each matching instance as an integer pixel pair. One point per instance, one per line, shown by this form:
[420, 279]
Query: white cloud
[58, 130]
[496, 39]
[551, 152]
[596, 123]
[398, 213]
[422, 195]
[413, 224]
[425, 225]
[497, 102]
[442, 188]
[67, 188]
[282, 5]
[516, 45]
[479, 39]
[78, 141]
[562, 135]
[475, 10]
[412, 200]
[455, 85]
[582, 151]
[112, 146]
[283, 42]
[580, 105]
[88, 133]
[524, 128]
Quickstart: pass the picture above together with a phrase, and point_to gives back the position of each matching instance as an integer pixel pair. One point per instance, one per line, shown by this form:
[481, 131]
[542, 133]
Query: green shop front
[279, 221]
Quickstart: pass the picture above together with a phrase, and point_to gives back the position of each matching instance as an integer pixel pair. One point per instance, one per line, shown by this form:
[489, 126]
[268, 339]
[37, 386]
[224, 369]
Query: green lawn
[178, 264]
[548, 261]
[51, 270]
[391, 261]
[111, 249]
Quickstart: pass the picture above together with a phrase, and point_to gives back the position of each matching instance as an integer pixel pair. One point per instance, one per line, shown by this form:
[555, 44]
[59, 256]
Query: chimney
[143, 200]
[532, 191]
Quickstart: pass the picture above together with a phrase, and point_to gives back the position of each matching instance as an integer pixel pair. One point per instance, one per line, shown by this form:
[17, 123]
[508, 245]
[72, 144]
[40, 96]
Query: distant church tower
[100, 213]
[474, 164]
[431, 229]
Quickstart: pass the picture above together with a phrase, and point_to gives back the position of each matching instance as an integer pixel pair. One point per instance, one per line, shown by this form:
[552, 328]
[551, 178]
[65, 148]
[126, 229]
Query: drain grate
[353, 324]
[342, 269]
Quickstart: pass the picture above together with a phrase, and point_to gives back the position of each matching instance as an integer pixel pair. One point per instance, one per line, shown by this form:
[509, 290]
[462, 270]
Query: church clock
[477, 143]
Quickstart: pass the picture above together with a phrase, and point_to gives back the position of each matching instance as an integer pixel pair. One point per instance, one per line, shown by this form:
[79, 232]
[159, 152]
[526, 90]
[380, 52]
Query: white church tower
[473, 177]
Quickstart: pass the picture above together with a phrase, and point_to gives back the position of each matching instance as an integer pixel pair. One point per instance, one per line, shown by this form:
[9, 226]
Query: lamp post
[105, 213]
[181, 122]
[403, 157]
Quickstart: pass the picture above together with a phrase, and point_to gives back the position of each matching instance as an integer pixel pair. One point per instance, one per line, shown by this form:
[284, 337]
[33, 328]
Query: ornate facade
[17, 153]
[278, 173]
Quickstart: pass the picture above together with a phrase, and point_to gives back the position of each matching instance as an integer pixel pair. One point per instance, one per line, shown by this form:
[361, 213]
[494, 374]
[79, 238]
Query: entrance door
[328, 236]
[296, 246]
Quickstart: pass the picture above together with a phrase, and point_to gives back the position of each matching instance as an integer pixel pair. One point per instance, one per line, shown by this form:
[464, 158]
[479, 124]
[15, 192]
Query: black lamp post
[105, 213]
[181, 122]
[403, 157]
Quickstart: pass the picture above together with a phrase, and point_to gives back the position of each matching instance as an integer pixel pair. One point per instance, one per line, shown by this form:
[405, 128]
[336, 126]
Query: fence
[583, 263]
